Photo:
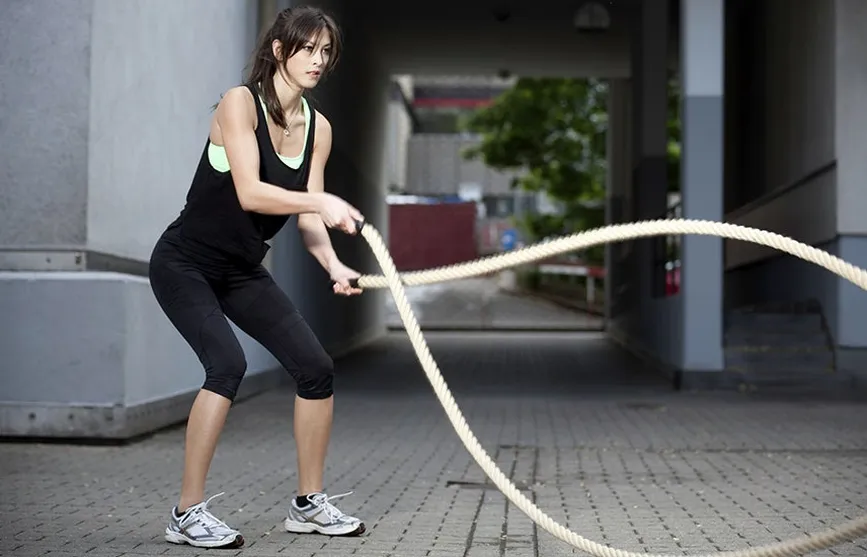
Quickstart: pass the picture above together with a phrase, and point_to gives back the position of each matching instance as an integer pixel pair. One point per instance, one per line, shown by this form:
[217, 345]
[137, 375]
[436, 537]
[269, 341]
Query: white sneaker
[322, 517]
[199, 528]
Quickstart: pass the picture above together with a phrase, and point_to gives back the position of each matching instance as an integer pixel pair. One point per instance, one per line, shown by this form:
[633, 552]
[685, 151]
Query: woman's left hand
[341, 275]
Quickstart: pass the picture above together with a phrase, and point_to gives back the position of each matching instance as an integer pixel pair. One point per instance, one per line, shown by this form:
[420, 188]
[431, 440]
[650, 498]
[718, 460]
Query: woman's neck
[288, 93]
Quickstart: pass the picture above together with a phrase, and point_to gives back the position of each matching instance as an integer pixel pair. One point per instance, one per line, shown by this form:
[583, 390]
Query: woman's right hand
[337, 213]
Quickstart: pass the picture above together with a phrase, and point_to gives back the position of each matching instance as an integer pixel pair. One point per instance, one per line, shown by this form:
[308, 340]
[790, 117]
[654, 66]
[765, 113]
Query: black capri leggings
[198, 297]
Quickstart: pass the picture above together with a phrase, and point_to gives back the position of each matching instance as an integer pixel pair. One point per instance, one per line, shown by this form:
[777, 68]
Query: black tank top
[212, 222]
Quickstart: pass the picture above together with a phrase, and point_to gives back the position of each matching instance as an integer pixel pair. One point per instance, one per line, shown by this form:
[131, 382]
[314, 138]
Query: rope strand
[847, 531]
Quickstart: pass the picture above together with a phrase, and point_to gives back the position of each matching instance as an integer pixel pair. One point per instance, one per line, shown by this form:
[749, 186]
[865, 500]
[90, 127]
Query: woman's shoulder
[238, 102]
[240, 94]
[321, 133]
[322, 123]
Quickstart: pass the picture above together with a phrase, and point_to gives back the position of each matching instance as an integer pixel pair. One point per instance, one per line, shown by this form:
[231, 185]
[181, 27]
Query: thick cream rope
[846, 531]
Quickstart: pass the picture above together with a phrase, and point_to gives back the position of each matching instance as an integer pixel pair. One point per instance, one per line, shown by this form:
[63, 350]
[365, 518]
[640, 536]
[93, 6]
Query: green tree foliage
[554, 130]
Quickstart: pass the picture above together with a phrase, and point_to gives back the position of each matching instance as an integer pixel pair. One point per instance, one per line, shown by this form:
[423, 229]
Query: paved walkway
[601, 445]
[480, 304]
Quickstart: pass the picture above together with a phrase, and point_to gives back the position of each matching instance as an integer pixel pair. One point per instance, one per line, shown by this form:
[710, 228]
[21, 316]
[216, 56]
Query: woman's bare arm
[313, 230]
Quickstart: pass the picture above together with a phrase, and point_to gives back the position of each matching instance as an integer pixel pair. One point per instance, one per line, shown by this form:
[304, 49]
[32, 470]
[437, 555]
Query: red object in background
[423, 236]
[672, 282]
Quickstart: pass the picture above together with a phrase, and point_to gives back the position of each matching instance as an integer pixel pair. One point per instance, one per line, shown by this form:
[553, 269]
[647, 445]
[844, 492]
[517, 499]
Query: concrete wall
[781, 124]
[44, 42]
[399, 128]
[850, 79]
[850, 133]
[435, 165]
[804, 87]
[128, 87]
[781, 172]
[159, 80]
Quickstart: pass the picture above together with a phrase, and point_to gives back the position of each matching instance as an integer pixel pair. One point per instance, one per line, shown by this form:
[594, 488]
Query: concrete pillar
[649, 139]
[618, 192]
[851, 116]
[702, 57]
[850, 137]
[98, 156]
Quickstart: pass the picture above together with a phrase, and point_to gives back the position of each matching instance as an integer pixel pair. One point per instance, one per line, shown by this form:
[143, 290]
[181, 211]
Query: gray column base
[844, 384]
[91, 355]
[37, 421]
[68, 259]
[833, 385]
[87, 355]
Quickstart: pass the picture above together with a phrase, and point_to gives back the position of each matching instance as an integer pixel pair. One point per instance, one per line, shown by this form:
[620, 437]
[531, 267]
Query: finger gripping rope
[830, 537]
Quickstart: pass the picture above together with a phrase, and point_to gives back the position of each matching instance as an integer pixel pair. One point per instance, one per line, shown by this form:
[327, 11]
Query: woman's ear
[277, 50]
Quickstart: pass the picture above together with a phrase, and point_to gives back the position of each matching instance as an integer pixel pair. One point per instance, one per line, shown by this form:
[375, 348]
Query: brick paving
[602, 445]
[479, 303]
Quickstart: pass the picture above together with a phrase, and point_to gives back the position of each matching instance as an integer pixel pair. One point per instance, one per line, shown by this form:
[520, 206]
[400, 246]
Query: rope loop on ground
[845, 532]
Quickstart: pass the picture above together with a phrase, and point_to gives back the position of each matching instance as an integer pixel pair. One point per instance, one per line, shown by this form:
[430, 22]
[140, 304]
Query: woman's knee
[224, 376]
[316, 379]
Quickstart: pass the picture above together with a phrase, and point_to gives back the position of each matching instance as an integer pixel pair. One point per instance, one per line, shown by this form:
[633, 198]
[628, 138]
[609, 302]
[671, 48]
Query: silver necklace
[286, 130]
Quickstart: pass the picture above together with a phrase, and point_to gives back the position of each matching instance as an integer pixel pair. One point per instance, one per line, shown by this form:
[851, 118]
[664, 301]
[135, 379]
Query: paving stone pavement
[599, 443]
[479, 303]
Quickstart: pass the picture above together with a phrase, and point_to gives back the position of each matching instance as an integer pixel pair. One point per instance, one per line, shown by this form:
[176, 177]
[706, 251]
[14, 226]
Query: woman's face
[305, 67]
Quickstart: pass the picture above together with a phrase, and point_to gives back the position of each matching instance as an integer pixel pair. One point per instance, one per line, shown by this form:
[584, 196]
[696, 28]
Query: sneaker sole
[309, 528]
[176, 538]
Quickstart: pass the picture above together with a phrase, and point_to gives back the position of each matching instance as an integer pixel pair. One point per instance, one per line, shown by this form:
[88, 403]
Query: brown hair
[293, 27]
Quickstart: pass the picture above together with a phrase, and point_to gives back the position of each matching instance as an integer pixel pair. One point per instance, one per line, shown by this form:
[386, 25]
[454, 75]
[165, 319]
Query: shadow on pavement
[562, 364]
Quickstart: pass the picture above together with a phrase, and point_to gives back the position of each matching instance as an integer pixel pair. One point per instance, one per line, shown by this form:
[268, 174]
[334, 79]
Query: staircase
[780, 347]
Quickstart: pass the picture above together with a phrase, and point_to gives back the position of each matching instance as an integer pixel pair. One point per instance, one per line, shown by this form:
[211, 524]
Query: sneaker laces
[204, 515]
[323, 501]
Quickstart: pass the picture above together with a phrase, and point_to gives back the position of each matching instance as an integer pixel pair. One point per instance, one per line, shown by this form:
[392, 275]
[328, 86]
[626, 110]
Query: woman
[263, 162]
